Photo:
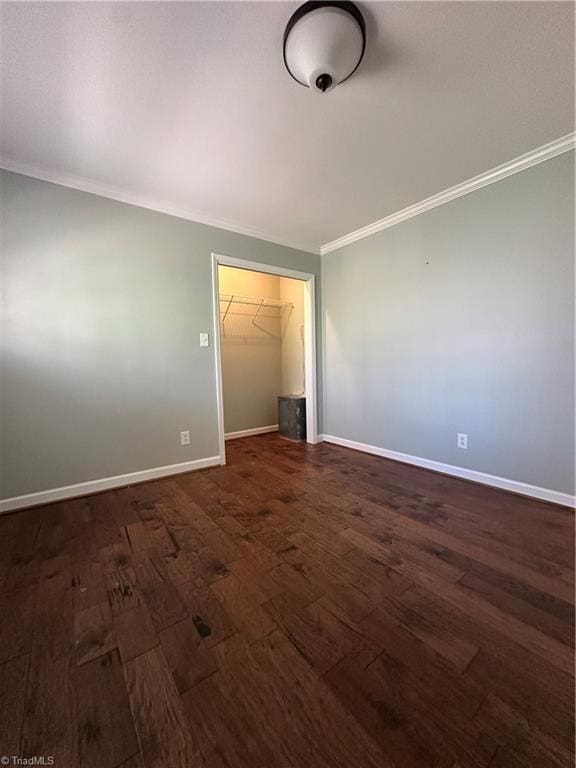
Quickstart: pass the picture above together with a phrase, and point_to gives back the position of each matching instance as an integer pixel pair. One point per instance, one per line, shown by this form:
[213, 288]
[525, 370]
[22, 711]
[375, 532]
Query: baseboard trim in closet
[250, 432]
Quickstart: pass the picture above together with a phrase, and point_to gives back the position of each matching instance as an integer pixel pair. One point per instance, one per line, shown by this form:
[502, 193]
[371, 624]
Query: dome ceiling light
[324, 43]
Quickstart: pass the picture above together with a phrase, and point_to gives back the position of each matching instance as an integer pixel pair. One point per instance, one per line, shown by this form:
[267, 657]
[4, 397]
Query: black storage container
[292, 416]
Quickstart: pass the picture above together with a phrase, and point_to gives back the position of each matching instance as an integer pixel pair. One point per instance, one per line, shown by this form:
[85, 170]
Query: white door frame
[309, 339]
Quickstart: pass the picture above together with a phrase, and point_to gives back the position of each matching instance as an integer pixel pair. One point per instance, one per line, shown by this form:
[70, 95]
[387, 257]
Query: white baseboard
[248, 432]
[106, 483]
[545, 494]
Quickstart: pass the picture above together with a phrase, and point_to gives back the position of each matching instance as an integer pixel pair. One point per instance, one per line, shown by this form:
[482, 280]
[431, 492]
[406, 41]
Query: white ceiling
[188, 107]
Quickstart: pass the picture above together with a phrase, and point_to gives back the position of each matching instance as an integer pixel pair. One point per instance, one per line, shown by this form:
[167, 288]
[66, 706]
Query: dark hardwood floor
[302, 607]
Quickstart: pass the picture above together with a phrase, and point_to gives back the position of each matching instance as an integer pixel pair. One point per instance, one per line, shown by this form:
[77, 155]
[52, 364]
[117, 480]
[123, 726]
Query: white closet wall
[292, 292]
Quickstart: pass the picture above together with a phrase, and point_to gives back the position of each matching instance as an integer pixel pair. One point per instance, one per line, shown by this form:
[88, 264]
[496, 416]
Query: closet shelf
[259, 302]
[254, 300]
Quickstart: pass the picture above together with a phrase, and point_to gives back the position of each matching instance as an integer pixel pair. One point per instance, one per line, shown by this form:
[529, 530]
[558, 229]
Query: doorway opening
[264, 334]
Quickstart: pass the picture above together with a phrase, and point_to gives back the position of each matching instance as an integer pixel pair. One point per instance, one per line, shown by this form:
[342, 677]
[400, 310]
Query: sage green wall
[459, 320]
[102, 306]
[462, 320]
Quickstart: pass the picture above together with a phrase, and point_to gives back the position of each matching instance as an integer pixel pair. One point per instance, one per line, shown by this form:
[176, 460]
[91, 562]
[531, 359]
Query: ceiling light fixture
[324, 43]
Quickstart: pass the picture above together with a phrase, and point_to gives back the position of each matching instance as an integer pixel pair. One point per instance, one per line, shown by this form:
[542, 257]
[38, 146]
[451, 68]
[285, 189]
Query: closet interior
[262, 353]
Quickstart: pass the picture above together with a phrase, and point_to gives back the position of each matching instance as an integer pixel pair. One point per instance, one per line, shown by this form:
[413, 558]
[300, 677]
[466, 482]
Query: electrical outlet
[462, 440]
[204, 341]
[185, 438]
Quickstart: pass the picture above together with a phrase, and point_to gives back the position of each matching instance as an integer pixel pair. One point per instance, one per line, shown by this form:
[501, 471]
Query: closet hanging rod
[232, 298]
[254, 300]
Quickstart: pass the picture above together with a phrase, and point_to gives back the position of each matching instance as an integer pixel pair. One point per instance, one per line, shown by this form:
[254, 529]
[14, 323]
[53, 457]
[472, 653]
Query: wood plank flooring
[302, 607]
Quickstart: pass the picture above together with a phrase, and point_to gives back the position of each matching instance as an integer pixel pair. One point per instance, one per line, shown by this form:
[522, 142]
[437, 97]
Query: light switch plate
[204, 340]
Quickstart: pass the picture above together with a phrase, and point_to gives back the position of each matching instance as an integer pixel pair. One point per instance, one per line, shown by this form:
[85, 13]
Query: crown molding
[538, 155]
[159, 206]
[535, 156]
